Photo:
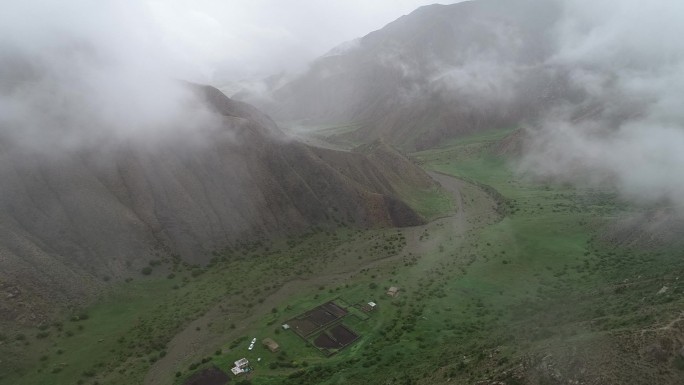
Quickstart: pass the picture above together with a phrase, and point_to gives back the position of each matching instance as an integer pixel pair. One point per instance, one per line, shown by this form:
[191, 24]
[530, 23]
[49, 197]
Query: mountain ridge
[74, 221]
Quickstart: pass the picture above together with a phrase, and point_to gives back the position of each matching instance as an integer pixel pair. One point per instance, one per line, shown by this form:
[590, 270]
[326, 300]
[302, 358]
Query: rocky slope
[439, 72]
[71, 222]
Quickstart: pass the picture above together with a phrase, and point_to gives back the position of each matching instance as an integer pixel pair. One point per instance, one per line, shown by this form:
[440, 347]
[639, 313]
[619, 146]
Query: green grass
[473, 305]
[338, 134]
[430, 204]
[479, 138]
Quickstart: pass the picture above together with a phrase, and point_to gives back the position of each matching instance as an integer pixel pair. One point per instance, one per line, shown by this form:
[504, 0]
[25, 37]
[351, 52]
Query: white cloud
[261, 37]
[77, 72]
[629, 58]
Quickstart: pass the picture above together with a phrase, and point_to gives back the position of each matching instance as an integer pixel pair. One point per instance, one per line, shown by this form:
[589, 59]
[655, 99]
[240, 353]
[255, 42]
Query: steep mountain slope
[440, 71]
[72, 221]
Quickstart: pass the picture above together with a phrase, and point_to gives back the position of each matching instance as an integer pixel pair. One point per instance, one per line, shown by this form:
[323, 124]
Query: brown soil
[303, 327]
[336, 338]
[343, 335]
[209, 376]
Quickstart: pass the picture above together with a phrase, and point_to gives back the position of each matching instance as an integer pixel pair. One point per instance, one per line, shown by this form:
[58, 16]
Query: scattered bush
[42, 335]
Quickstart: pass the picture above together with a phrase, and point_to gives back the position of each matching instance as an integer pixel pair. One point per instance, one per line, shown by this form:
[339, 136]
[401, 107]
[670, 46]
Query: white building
[240, 366]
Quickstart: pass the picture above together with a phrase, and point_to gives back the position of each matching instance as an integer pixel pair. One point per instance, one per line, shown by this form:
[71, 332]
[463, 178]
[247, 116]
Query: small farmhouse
[241, 366]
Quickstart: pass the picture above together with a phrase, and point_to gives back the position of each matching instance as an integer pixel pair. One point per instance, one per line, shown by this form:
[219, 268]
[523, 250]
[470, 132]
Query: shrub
[42, 335]
[146, 270]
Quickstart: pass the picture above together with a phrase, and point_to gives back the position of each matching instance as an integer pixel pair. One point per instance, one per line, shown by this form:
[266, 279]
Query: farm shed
[271, 344]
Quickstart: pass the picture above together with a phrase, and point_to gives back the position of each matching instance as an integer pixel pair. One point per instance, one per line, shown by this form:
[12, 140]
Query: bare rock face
[72, 221]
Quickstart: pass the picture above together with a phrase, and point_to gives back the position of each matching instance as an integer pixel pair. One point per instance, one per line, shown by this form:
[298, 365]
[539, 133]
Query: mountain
[72, 221]
[439, 72]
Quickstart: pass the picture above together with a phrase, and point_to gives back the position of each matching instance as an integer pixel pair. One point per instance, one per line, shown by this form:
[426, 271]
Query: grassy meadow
[512, 272]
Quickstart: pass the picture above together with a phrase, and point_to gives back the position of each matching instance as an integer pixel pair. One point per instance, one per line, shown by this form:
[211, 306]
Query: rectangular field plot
[335, 339]
[316, 319]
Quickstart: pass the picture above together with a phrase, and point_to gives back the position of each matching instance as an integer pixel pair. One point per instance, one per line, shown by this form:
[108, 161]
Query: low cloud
[82, 73]
[628, 130]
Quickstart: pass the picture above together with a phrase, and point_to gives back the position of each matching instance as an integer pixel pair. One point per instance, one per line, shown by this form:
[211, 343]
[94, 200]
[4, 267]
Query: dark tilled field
[324, 341]
[321, 317]
[209, 376]
[318, 317]
[334, 309]
[343, 335]
[337, 337]
[303, 327]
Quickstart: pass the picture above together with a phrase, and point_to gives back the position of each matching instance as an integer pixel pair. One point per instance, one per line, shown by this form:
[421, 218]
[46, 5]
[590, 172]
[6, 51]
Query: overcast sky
[109, 67]
[262, 37]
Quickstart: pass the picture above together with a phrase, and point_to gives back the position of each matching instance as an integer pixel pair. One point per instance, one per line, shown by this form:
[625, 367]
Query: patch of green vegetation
[523, 274]
[484, 137]
[430, 204]
[340, 135]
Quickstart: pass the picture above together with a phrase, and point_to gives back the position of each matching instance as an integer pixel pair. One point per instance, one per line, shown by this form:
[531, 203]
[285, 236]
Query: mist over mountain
[595, 85]
[99, 211]
[108, 161]
[438, 72]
